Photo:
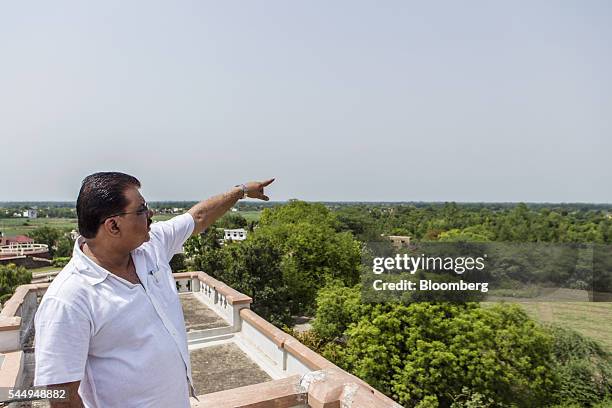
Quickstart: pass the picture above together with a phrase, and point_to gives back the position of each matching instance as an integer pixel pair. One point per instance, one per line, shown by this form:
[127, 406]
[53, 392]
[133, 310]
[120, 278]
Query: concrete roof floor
[217, 367]
[223, 367]
[197, 315]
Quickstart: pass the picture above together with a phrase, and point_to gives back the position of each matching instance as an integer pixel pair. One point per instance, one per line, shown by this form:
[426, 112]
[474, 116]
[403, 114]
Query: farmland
[21, 226]
[592, 319]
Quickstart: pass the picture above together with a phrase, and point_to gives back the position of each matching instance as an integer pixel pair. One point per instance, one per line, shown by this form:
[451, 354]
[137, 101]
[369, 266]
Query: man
[110, 328]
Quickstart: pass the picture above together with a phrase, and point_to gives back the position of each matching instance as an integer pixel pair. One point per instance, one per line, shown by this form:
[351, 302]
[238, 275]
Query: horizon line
[343, 201]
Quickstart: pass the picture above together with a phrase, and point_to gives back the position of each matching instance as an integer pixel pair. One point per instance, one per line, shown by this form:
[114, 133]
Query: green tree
[253, 267]
[232, 221]
[313, 255]
[338, 307]
[299, 212]
[46, 235]
[178, 263]
[12, 276]
[432, 351]
[203, 251]
[310, 252]
[584, 369]
[359, 221]
[64, 247]
[476, 233]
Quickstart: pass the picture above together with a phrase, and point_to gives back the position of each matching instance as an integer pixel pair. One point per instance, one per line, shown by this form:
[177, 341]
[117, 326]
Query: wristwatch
[243, 187]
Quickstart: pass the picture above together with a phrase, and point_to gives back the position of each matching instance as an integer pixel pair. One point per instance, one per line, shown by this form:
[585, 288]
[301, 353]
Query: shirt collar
[88, 269]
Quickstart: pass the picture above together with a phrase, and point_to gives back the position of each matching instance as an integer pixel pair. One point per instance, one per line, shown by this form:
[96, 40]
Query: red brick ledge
[282, 393]
[335, 388]
[232, 295]
[330, 388]
[275, 334]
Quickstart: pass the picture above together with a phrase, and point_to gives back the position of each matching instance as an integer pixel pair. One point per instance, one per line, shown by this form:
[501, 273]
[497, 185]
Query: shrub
[61, 261]
[583, 368]
[423, 353]
[12, 276]
[177, 263]
[337, 308]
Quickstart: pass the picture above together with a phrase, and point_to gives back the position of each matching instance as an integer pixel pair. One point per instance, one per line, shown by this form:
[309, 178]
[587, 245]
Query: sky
[340, 101]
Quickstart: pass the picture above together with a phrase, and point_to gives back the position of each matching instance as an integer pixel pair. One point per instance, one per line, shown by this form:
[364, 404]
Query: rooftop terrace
[238, 359]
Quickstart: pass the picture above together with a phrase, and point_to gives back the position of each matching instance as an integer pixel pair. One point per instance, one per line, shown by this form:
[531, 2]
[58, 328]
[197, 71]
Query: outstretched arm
[206, 212]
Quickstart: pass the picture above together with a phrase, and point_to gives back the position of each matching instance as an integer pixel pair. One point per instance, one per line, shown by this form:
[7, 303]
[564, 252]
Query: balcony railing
[23, 249]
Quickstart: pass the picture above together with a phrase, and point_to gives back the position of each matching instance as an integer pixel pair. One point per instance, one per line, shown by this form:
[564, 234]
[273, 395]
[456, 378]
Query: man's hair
[101, 196]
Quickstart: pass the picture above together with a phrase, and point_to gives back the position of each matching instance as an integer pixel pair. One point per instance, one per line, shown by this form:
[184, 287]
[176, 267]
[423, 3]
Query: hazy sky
[340, 100]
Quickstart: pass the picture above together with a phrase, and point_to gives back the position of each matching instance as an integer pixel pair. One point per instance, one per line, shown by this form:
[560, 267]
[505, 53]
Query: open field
[162, 217]
[592, 319]
[569, 308]
[19, 226]
[250, 215]
[44, 269]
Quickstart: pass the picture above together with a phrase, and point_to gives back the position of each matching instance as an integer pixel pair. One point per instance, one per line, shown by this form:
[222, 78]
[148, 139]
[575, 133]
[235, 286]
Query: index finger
[267, 182]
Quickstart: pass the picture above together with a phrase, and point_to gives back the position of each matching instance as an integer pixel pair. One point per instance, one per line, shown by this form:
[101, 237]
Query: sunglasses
[143, 209]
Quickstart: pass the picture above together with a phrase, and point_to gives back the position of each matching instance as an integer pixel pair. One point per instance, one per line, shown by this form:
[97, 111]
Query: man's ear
[111, 227]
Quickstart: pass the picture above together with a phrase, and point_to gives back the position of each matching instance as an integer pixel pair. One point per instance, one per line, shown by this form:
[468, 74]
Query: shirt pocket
[162, 286]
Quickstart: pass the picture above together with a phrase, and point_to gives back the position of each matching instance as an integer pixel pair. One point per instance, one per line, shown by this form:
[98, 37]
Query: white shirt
[125, 342]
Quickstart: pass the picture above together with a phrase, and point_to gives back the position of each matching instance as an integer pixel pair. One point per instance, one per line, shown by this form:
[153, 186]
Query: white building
[399, 241]
[31, 213]
[234, 234]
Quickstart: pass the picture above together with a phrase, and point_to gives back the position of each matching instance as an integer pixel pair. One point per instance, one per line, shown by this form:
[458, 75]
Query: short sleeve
[62, 343]
[173, 233]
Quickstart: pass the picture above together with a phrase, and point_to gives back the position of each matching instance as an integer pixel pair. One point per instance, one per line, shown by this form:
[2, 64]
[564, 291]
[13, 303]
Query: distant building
[234, 234]
[74, 234]
[22, 250]
[17, 239]
[399, 241]
[30, 213]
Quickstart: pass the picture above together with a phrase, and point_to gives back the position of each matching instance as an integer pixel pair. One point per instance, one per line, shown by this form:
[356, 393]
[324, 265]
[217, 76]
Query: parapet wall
[16, 326]
[303, 378]
[17, 316]
[221, 298]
